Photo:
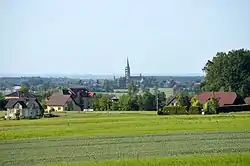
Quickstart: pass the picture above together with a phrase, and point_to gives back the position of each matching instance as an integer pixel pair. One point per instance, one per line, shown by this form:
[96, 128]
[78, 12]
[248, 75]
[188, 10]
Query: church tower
[127, 73]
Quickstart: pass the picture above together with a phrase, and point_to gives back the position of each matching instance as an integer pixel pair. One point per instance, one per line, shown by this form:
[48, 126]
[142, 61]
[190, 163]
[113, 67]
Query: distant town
[113, 85]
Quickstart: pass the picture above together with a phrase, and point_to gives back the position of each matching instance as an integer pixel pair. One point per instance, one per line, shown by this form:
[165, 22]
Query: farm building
[59, 102]
[225, 98]
[23, 108]
[70, 99]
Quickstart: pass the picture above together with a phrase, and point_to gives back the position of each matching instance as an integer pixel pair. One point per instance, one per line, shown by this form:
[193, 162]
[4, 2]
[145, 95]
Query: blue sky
[162, 37]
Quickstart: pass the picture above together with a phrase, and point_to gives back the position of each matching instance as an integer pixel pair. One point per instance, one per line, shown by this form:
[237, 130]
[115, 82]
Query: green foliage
[179, 110]
[183, 100]
[70, 106]
[194, 110]
[132, 89]
[1, 96]
[148, 101]
[195, 102]
[115, 106]
[125, 102]
[229, 71]
[25, 90]
[43, 104]
[173, 110]
[211, 106]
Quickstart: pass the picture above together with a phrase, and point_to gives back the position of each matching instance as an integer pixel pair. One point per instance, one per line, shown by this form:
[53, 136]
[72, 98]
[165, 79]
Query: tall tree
[228, 71]
[132, 89]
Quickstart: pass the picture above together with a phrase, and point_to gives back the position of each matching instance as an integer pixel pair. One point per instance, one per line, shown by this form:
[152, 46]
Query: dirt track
[33, 151]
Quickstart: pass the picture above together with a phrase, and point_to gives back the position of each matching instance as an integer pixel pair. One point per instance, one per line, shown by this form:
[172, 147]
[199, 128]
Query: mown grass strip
[209, 160]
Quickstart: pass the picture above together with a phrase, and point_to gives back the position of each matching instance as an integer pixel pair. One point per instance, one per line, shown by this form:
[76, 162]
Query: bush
[194, 110]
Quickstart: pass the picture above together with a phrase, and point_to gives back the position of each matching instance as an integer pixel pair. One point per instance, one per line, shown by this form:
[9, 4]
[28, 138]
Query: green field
[126, 138]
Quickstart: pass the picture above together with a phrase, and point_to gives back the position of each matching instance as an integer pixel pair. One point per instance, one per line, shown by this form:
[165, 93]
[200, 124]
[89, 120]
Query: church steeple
[127, 62]
[127, 73]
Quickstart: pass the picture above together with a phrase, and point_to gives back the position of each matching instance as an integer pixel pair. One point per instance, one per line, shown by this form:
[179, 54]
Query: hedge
[194, 110]
[173, 110]
[179, 110]
[182, 110]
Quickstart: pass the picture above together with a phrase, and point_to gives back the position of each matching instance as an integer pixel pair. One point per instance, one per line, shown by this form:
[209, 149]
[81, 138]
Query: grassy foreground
[210, 160]
[91, 124]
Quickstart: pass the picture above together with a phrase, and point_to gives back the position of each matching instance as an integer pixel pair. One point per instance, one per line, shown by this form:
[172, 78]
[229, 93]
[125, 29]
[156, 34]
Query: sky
[160, 37]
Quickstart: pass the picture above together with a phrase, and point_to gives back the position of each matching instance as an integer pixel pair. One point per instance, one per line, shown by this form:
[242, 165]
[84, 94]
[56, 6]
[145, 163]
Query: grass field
[126, 138]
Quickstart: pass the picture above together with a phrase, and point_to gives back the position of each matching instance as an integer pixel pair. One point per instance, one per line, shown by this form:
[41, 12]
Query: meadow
[126, 138]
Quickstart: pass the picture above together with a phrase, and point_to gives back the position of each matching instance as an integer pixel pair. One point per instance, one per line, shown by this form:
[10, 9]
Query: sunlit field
[126, 138]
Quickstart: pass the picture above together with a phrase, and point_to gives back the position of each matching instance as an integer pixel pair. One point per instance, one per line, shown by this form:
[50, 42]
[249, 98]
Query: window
[59, 108]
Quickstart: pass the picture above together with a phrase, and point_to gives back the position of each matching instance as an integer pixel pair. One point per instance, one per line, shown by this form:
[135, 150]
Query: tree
[43, 104]
[125, 102]
[162, 100]
[211, 106]
[228, 71]
[183, 100]
[148, 101]
[195, 102]
[2, 101]
[25, 90]
[70, 106]
[115, 106]
[104, 103]
[132, 89]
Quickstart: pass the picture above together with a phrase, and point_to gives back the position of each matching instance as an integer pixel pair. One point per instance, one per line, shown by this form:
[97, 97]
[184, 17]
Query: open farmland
[91, 137]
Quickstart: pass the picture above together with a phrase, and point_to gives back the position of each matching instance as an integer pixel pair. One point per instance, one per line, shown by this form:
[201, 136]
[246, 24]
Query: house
[59, 102]
[70, 99]
[23, 108]
[225, 98]
[81, 96]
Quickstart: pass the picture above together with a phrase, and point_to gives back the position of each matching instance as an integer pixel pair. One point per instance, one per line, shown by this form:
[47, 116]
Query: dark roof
[27, 101]
[247, 100]
[225, 98]
[31, 101]
[74, 91]
[12, 102]
[20, 94]
[58, 100]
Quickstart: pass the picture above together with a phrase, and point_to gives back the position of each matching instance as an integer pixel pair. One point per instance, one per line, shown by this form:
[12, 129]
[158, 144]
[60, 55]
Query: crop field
[126, 138]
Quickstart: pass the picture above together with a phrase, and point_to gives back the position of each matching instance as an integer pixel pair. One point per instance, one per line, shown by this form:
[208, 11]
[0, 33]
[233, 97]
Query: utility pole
[157, 103]
[157, 98]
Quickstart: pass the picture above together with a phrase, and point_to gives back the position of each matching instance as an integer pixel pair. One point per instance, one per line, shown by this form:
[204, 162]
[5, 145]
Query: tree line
[134, 100]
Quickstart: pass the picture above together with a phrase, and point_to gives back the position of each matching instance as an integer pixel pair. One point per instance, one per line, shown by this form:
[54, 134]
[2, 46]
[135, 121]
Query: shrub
[194, 110]
[173, 110]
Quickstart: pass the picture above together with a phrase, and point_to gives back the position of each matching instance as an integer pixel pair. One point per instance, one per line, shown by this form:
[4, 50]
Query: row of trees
[131, 101]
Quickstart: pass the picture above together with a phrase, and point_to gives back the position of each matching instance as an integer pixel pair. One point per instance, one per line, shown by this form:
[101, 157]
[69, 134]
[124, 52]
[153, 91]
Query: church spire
[127, 62]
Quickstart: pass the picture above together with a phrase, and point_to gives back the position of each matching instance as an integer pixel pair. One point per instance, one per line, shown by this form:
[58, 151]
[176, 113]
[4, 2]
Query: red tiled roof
[225, 98]
[91, 94]
[58, 100]
[247, 100]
